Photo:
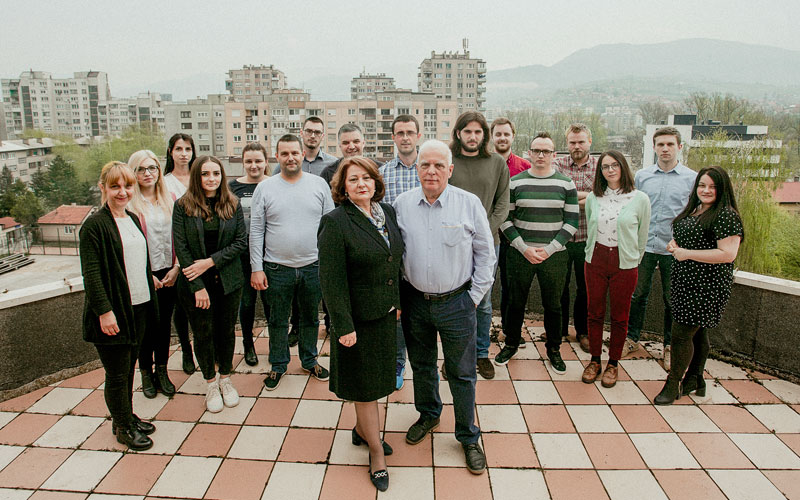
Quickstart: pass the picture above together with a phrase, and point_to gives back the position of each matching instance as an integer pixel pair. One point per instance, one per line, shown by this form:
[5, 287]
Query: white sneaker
[629, 347]
[213, 398]
[229, 395]
[667, 357]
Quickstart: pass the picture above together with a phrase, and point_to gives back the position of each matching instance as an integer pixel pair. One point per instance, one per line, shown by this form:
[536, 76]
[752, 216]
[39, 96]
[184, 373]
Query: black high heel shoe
[380, 478]
[693, 383]
[358, 440]
[670, 392]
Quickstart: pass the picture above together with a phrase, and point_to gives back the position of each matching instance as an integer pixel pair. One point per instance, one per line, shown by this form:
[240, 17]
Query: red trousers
[604, 278]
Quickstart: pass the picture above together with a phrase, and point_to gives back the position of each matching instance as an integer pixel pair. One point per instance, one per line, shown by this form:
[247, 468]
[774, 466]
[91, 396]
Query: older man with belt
[448, 267]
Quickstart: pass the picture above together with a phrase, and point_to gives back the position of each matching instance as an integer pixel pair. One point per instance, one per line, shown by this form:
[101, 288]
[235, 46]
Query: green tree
[654, 112]
[59, 185]
[10, 193]
[28, 209]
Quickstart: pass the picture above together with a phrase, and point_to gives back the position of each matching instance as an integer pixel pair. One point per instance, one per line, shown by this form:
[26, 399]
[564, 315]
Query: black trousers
[119, 363]
[690, 346]
[155, 344]
[213, 328]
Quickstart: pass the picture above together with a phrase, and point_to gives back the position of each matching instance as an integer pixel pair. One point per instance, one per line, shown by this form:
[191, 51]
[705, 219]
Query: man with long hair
[485, 175]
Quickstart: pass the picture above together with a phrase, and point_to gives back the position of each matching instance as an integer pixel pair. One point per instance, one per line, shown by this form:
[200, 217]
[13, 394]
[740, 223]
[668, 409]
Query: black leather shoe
[164, 383]
[670, 392]
[294, 337]
[380, 479]
[188, 362]
[250, 356]
[358, 440]
[417, 432]
[144, 427]
[476, 460]
[134, 439]
[148, 388]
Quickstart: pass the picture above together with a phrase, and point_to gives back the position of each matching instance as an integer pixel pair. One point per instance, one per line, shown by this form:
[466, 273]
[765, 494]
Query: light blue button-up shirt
[669, 192]
[398, 178]
[447, 242]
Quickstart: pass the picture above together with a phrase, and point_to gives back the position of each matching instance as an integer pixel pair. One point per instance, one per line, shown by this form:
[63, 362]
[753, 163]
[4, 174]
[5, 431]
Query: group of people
[400, 254]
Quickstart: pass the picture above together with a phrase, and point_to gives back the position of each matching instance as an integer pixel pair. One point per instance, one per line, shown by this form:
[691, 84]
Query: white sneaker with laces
[213, 398]
[629, 347]
[229, 395]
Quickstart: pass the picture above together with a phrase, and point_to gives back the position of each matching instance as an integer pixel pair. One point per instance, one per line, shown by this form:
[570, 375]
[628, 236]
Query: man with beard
[284, 219]
[400, 175]
[503, 132]
[351, 143]
[580, 167]
[485, 175]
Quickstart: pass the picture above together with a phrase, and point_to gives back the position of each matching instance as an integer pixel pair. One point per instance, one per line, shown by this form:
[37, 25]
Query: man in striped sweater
[543, 216]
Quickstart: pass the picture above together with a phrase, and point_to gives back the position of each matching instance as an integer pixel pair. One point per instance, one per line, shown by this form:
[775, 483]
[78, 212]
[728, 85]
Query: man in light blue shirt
[400, 175]
[668, 183]
[448, 267]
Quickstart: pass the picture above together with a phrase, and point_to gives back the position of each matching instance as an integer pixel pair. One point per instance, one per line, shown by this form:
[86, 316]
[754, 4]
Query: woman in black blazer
[209, 235]
[360, 249]
[118, 298]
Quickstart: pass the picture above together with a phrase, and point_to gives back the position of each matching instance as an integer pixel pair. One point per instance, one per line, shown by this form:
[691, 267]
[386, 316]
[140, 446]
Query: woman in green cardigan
[617, 217]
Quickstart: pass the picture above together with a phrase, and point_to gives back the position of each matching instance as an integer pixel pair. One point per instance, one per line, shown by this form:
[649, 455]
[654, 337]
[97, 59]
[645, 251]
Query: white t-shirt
[159, 236]
[134, 252]
[174, 186]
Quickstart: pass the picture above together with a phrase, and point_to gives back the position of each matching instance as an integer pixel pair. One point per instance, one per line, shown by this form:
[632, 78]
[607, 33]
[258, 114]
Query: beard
[578, 155]
[502, 148]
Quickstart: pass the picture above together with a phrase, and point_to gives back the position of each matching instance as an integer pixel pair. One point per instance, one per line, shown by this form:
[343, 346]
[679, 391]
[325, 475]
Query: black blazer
[358, 273]
[188, 239]
[105, 281]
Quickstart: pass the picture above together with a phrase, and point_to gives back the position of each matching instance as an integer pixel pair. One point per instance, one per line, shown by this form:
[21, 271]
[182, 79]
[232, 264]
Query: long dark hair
[725, 198]
[170, 166]
[461, 122]
[625, 175]
[194, 201]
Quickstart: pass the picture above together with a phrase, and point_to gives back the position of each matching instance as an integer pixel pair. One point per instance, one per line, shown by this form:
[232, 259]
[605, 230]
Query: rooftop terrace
[545, 436]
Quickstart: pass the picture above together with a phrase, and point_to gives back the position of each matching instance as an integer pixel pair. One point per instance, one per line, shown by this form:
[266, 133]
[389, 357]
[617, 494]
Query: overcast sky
[141, 43]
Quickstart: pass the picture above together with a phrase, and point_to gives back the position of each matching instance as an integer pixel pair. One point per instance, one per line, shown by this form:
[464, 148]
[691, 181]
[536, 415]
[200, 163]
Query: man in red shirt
[502, 132]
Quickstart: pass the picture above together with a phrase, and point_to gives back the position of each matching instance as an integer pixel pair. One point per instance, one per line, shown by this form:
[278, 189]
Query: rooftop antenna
[465, 43]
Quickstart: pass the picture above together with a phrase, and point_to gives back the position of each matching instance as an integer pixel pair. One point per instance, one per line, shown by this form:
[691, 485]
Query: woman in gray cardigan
[618, 217]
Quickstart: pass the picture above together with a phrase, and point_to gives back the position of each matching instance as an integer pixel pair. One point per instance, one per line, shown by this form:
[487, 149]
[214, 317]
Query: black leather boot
[167, 387]
[670, 392]
[133, 438]
[148, 388]
[143, 426]
[693, 383]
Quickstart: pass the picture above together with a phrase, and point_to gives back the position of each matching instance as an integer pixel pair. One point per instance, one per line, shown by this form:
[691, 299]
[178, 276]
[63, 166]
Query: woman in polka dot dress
[706, 240]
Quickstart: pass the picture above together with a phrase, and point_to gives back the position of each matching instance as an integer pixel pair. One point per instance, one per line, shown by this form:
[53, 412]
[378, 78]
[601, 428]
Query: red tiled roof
[788, 193]
[7, 222]
[67, 214]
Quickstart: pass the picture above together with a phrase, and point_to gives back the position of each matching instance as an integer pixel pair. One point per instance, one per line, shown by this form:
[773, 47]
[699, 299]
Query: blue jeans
[642, 293]
[286, 284]
[454, 319]
[484, 318]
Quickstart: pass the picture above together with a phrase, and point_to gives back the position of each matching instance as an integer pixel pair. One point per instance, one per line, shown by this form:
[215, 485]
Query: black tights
[690, 346]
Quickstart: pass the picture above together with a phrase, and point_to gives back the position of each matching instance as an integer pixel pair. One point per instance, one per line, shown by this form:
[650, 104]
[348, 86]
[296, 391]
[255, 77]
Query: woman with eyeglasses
[617, 217]
[153, 204]
[180, 156]
[707, 235]
[118, 303]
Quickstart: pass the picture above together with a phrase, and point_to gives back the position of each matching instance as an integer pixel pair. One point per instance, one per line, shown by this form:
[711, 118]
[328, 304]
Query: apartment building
[252, 82]
[3, 132]
[25, 157]
[364, 86]
[69, 106]
[203, 119]
[145, 109]
[454, 76]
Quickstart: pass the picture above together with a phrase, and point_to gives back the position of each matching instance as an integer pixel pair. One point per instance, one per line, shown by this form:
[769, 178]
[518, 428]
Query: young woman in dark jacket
[209, 236]
[118, 298]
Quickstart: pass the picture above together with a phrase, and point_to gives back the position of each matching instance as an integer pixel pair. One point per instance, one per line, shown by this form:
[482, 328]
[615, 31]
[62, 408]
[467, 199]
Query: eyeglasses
[152, 170]
[543, 152]
[317, 133]
[611, 166]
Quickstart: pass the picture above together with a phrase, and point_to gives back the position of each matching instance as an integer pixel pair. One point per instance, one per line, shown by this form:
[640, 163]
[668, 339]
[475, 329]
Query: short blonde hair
[114, 171]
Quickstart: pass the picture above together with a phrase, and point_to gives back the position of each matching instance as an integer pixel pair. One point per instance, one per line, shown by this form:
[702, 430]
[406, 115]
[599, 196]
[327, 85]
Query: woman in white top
[617, 220]
[118, 298]
[153, 204]
[180, 156]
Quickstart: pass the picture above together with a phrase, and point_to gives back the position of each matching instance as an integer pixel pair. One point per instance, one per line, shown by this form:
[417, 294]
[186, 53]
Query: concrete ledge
[40, 292]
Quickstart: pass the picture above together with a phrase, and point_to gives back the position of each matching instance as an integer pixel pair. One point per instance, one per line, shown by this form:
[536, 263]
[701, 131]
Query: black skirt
[366, 371]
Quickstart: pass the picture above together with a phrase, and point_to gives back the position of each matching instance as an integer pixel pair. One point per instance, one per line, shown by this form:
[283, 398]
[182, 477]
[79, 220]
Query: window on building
[186, 114]
[236, 113]
[236, 125]
[237, 138]
[186, 126]
[332, 125]
[204, 148]
[331, 112]
[202, 125]
[69, 229]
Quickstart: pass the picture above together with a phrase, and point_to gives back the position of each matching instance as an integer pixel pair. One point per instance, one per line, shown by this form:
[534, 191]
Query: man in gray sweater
[485, 175]
[284, 217]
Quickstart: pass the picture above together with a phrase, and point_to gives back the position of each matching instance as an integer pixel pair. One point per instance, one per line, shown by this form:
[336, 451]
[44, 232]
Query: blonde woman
[118, 298]
[152, 203]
